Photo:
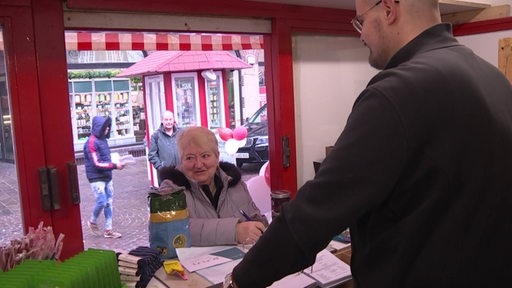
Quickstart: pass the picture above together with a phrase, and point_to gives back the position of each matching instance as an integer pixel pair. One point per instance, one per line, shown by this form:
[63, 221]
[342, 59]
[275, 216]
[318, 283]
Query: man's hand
[228, 282]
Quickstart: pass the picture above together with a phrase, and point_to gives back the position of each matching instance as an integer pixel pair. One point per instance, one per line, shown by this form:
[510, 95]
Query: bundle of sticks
[38, 244]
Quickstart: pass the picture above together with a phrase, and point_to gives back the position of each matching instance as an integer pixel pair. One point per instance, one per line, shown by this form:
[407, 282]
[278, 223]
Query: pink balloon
[263, 169]
[240, 133]
[225, 133]
[267, 174]
[260, 193]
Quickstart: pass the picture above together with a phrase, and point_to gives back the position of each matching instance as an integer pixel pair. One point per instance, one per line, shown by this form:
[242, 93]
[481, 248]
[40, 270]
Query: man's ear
[391, 10]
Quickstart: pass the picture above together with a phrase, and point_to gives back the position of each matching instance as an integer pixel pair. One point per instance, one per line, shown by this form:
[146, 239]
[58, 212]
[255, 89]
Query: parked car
[256, 147]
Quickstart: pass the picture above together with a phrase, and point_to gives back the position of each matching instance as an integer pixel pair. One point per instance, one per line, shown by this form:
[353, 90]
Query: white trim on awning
[160, 41]
[102, 41]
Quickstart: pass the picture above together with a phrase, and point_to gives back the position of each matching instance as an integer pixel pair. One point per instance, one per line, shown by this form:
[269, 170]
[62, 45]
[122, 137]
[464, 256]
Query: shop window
[186, 102]
[214, 101]
[107, 98]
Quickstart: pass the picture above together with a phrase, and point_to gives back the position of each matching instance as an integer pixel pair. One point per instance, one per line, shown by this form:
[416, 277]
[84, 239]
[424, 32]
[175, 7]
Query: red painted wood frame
[37, 75]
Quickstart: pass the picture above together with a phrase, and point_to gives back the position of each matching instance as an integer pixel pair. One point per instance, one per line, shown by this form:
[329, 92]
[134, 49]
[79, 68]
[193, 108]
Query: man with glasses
[420, 173]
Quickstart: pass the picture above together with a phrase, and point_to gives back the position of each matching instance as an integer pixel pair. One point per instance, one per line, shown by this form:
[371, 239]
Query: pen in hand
[250, 219]
[245, 215]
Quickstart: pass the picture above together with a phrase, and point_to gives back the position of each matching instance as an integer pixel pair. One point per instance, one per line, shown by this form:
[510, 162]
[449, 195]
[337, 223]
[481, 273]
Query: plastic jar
[278, 198]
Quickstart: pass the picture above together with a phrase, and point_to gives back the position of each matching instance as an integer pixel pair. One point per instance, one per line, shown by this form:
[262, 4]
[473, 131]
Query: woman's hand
[249, 232]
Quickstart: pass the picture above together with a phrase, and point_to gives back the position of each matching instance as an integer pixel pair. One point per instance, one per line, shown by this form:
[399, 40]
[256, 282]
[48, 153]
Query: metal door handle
[75, 197]
[54, 188]
[45, 189]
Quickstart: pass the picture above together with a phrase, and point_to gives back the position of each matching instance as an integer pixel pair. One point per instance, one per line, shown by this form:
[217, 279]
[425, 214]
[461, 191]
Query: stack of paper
[328, 270]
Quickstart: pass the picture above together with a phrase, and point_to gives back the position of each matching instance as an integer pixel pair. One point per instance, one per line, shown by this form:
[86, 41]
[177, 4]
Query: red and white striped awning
[157, 41]
[160, 41]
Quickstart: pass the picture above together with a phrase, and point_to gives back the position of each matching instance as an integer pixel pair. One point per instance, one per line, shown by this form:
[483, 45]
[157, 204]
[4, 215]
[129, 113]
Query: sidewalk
[131, 186]
[130, 218]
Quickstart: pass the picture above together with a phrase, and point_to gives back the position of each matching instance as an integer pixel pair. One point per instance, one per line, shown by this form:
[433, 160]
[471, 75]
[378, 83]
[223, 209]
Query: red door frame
[38, 84]
[58, 131]
[24, 102]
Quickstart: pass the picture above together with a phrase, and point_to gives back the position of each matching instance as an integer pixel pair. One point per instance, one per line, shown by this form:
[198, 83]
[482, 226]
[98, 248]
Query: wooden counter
[163, 280]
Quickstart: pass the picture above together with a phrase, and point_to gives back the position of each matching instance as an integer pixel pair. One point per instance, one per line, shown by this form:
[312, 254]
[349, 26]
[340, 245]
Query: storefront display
[215, 102]
[187, 105]
[122, 112]
[103, 97]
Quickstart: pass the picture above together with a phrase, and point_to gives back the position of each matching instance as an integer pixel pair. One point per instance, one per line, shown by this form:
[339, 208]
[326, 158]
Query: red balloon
[225, 133]
[267, 174]
[240, 133]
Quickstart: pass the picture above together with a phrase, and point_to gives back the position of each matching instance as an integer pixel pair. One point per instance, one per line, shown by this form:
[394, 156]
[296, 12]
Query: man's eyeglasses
[357, 22]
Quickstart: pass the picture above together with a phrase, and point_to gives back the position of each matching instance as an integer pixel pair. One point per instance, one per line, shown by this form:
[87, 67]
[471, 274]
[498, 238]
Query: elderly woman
[215, 193]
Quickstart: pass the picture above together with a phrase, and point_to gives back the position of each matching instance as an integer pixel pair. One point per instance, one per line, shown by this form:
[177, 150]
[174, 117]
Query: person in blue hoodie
[98, 168]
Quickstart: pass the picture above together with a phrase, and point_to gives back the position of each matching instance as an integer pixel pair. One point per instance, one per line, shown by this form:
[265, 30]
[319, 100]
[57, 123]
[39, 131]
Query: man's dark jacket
[422, 175]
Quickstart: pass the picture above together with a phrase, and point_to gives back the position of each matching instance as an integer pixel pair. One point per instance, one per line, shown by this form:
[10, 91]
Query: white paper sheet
[328, 269]
[338, 245]
[192, 252]
[294, 280]
[125, 159]
[195, 258]
[216, 274]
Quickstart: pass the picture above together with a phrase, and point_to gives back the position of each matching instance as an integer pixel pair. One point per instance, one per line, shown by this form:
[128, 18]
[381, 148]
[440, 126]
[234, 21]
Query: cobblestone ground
[131, 186]
[10, 222]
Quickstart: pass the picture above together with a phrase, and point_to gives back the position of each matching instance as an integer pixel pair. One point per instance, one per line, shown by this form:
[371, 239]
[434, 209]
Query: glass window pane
[10, 209]
[121, 85]
[103, 86]
[187, 115]
[83, 86]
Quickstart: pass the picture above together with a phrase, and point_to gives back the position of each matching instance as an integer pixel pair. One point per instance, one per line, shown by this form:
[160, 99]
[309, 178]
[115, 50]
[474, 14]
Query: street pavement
[131, 187]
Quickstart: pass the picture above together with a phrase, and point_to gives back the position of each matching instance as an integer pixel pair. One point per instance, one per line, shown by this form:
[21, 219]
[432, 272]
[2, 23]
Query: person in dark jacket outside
[420, 173]
[98, 168]
[162, 146]
[215, 192]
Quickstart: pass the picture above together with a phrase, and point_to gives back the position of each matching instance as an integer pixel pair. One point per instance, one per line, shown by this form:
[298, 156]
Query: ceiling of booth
[447, 6]
[339, 4]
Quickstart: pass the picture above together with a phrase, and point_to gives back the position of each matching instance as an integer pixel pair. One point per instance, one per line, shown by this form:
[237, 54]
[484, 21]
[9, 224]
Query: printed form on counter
[328, 270]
